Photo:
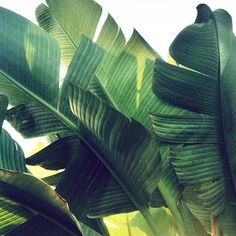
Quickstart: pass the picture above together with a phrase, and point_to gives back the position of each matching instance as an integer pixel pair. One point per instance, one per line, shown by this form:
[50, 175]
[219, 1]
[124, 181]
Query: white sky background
[158, 21]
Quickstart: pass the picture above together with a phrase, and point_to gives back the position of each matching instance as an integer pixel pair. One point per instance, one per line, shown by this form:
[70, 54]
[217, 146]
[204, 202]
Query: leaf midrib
[51, 108]
[62, 28]
[143, 209]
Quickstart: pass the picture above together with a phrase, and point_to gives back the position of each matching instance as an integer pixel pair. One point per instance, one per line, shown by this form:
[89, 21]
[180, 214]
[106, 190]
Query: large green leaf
[81, 182]
[20, 191]
[83, 178]
[71, 123]
[204, 85]
[113, 130]
[36, 64]
[104, 198]
[128, 79]
[11, 158]
[123, 145]
[125, 71]
[68, 21]
[30, 60]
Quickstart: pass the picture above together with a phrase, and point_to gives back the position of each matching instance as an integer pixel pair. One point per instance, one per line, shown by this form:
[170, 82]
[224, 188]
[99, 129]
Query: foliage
[125, 134]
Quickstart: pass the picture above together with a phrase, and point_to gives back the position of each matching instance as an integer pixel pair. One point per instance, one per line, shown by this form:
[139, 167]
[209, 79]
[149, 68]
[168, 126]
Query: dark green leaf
[81, 182]
[172, 82]
[106, 124]
[124, 146]
[12, 215]
[202, 84]
[37, 196]
[111, 200]
[39, 226]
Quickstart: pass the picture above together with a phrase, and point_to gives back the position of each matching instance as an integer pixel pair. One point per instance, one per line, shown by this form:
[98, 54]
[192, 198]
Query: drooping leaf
[33, 120]
[37, 196]
[57, 155]
[101, 115]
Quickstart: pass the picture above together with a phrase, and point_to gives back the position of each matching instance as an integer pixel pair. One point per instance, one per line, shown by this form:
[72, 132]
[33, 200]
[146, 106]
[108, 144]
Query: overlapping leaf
[12, 215]
[204, 86]
[57, 155]
[33, 120]
[37, 96]
[67, 22]
[82, 180]
[124, 146]
[39, 197]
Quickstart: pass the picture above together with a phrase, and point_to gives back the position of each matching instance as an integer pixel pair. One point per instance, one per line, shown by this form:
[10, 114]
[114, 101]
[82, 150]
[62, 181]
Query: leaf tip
[204, 13]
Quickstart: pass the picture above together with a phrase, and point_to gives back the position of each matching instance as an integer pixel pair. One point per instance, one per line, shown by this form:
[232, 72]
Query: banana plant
[200, 134]
[100, 115]
[112, 186]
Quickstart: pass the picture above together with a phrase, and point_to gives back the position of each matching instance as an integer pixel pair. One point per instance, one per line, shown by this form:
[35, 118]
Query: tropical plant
[121, 141]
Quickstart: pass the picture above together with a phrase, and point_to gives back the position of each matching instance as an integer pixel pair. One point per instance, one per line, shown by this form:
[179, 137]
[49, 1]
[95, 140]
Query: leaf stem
[172, 206]
[150, 221]
[213, 225]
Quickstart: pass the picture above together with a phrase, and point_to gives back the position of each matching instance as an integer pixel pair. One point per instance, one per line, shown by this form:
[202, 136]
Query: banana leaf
[67, 22]
[201, 139]
[108, 131]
